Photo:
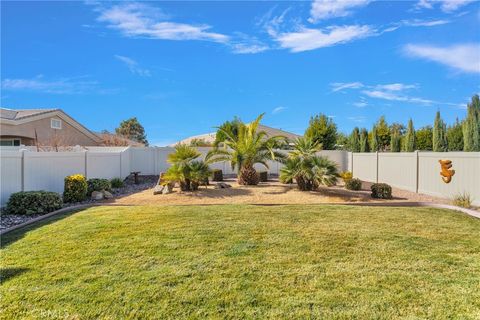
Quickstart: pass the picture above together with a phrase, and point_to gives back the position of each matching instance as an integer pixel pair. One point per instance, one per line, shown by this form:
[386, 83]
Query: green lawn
[329, 262]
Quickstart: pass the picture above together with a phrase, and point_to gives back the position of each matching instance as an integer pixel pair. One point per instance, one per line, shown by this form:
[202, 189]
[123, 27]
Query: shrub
[346, 176]
[462, 200]
[217, 175]
[353, 184]
[263, 176]
[98, 185]
[116, 183]
[381, 191]
[75, 188]
[33, 202]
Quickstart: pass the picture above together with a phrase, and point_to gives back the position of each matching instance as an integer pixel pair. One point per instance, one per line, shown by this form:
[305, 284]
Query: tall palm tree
[307, 169]
[245, 149]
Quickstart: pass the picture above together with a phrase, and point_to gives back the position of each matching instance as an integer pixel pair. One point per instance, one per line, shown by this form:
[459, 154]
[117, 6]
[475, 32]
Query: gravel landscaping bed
[145, 182]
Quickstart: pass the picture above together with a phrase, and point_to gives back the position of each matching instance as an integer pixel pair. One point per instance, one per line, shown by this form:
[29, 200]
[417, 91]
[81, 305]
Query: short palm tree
[307, 169]
[184, 163]
[199, 173]
[245, 149]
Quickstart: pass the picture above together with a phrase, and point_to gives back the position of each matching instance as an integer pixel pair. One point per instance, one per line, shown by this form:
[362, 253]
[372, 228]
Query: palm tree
[199, 173]
[245, 149]
[307, 169]
[181, 161]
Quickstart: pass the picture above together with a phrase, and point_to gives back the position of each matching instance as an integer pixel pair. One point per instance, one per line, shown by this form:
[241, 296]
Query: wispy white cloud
[142, 20]
[463, 57]
[57, 86]
[133, 66]
[424, 23]
[390, 92]
[278, 110]
[245, 44]
[445, 5]
[395, 86]
[326, 9]
[339, 86]
[305, 39]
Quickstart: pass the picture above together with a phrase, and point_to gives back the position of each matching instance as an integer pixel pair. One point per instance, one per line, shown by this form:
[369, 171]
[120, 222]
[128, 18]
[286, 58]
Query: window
[10, 142]
[56, 123]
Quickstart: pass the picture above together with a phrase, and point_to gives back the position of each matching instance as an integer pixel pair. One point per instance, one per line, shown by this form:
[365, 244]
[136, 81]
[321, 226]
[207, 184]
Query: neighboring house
[210, 137]
[50, 127]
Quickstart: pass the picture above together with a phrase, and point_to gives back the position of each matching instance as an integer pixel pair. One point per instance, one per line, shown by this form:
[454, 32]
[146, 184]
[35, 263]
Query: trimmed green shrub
[353, 184]
[75, 188]
[217, 175]
[33, 202]
[381, 191]
[116, 183]
[346, 176]
[263, 176]
[98, 185]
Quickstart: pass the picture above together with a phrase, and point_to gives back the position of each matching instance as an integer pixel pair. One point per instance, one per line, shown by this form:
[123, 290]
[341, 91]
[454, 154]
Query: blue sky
[184, 67]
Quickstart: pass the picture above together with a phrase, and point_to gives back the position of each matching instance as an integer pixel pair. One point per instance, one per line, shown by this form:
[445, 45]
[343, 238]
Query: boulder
[167, 189]
[107, 195]
[158, 189]
[222, 185]
[97, 195]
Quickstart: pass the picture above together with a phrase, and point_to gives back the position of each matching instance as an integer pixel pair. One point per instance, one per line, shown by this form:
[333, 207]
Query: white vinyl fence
[25, 170]
[420, 171]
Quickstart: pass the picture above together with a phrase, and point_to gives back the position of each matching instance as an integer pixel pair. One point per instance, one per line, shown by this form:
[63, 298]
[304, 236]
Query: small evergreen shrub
[463, 200]
[217, 175]
[353, 184]
[263, 176]
[33, 202]
[98, 185]
[116, 183]
[381, 191]
[346, 176]
[75, 188]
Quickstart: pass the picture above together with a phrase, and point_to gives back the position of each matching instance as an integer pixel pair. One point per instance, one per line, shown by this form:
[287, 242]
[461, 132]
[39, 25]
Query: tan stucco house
[48, 126]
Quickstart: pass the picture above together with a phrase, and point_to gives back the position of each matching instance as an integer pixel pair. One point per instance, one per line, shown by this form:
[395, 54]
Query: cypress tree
[355, 140]
[374, 140]
[410, 143]
[471, 126]
[395, 141]
[439, 134]
[364, 146]
[455, 136]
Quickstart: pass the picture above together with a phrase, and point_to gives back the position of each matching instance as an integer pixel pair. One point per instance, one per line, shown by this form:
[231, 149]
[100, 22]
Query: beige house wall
[67, 135]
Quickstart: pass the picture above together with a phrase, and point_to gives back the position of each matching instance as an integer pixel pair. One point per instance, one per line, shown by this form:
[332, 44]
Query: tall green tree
[354, 141]
[374, 145]
[455, 136]
[364, 145]
[471, 126]
[439, 138]
[423, 137]
[409, 142]
[133, 130]
[228, 128]
[395, 141]
[322, 130]
[383, 134]
[342, 142]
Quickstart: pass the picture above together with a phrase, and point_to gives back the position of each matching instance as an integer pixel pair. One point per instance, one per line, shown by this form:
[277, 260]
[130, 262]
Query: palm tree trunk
[248, 176]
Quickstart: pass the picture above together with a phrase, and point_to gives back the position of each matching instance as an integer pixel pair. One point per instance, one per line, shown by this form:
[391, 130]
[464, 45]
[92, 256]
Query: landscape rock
[167, 189]
[222, 185]
[97, 195]
[107, 195]
[158, 189]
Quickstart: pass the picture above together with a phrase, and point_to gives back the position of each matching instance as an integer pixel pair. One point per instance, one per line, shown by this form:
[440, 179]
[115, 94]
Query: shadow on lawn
[9, 273]
[13, 236]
